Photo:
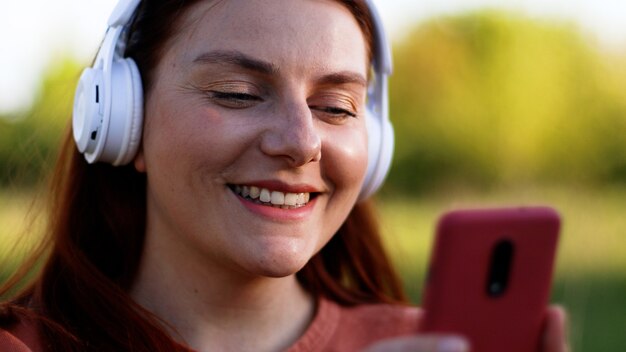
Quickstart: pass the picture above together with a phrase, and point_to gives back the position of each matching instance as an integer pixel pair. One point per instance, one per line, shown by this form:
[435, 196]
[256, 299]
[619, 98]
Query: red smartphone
[490, 276]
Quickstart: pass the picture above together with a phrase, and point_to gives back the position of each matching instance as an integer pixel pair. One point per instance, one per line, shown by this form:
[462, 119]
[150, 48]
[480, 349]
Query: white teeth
[303, 198]
[291, 199]
[254, 192]
[278, 198]
[265, 196]
[283, 200]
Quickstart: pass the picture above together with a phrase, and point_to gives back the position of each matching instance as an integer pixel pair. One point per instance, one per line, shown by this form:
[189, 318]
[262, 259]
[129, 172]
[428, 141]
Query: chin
[280, 262]
[277, 273]
[282, 267]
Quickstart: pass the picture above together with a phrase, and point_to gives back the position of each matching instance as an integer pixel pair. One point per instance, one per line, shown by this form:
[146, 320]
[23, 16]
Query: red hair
[97, 224]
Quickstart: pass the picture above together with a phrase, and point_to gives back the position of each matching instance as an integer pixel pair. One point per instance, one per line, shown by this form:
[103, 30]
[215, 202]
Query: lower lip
[278, 214]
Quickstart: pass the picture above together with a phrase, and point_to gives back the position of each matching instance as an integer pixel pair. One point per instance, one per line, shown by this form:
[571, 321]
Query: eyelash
[234, 96]
[233, 100]
[338, 112]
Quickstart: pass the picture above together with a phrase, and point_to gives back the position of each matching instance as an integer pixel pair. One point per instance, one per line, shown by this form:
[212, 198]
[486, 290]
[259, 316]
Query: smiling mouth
[277, 199]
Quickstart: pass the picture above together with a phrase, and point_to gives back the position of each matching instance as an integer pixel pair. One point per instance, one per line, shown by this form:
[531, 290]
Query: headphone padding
[135, 125]
[124, 117]
[380, 142]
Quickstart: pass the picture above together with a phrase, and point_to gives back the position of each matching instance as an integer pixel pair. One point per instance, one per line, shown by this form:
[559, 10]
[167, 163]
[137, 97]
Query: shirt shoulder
[11, 343]
[339, 328]
[21, 337]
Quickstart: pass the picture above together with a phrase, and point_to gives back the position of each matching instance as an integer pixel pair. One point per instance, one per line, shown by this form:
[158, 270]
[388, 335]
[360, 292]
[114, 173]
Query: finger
[555, 335]
[423, 343]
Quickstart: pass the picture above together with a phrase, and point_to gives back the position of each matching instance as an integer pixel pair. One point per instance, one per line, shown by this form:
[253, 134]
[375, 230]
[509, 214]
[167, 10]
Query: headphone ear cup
[88, 110]
[126, 113]
[380, 142]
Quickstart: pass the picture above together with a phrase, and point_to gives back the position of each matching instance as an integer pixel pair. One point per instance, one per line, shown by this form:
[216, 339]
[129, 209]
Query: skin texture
[243, 96]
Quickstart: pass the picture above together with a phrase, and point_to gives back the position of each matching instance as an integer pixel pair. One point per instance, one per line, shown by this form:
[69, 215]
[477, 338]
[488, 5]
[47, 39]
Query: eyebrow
[236, 58]
[343, 77]
[247, 62]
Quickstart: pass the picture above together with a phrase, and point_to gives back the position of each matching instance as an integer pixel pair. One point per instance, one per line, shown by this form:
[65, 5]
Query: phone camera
[500, 266]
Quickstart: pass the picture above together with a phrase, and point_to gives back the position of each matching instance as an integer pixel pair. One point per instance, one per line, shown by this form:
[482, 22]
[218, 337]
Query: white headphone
[108, 103]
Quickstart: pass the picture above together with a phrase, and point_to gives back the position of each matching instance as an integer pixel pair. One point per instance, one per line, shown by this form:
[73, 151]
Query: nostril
[295, 139]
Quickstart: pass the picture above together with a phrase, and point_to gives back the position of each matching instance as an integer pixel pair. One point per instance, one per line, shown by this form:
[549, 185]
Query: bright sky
[32, 32]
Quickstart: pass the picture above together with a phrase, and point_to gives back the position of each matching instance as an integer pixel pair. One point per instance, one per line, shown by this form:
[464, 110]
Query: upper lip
[275, 185]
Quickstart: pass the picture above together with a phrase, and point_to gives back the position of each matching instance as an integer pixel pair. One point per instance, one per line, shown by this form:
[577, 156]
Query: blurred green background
[490, 108]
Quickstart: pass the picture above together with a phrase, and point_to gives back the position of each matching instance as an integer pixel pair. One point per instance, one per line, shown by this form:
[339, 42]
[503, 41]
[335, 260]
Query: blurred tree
[496, 99]
[29, 141]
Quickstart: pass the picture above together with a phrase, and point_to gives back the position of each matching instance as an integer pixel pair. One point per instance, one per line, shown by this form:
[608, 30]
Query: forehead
[303, 33]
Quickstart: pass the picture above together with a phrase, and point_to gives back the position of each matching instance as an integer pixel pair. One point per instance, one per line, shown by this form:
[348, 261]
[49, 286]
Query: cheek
[189, 136]
[345, 157]
[187, 148]
[171, 125]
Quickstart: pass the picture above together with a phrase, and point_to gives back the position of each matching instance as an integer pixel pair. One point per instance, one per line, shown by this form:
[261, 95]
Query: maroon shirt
[334, 328]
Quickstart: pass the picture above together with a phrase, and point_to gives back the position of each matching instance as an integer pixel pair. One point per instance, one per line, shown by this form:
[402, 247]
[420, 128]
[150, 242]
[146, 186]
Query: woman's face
[255, 144]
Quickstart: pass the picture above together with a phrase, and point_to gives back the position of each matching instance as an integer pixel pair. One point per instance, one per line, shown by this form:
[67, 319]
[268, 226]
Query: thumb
[555, 330]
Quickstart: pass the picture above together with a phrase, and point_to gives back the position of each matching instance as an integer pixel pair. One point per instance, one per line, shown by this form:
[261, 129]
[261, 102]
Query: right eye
[233, 100]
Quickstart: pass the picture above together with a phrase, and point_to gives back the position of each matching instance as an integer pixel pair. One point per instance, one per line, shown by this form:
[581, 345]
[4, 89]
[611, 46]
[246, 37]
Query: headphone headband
[382, 57]
[123, 13]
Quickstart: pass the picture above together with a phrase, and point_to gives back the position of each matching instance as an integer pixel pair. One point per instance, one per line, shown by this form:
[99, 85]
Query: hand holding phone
[490, 276]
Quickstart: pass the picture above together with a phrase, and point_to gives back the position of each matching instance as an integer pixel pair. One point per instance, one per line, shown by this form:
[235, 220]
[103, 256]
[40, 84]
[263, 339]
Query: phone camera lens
[495, 288]
[499, 272]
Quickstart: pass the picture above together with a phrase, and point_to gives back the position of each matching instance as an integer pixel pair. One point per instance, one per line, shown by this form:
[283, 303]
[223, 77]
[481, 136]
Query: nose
[293, 136]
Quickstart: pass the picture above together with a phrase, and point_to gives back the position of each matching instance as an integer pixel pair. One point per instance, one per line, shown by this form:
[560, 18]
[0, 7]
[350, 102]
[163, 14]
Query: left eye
[334, 111]
[234, 96]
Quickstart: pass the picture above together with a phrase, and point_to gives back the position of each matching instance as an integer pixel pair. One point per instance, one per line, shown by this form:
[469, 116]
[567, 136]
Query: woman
[236, 225]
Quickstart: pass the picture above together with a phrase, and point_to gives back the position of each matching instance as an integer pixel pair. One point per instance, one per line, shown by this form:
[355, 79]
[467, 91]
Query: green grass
[590, 278]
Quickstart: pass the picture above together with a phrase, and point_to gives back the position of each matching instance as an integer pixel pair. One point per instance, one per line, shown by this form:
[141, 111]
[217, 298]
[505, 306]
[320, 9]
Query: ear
[140, 161]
